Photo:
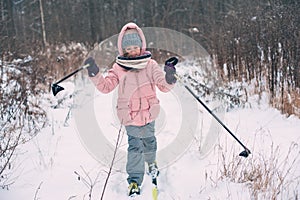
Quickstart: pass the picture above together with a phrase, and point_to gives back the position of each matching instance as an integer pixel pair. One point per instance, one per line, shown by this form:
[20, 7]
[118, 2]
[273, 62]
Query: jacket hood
[131, 25]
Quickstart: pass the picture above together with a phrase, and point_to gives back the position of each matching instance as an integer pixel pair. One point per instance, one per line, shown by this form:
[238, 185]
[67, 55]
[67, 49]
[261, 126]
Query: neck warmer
[139, 62]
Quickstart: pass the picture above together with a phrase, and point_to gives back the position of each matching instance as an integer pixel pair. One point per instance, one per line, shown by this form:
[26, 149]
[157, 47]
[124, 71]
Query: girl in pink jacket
[137, 76]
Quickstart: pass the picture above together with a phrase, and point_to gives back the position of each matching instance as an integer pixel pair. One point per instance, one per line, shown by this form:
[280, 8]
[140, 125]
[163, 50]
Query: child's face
[133, 51]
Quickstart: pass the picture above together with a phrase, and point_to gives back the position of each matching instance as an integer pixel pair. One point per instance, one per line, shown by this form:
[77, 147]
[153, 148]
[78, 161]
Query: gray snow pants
[142, 148]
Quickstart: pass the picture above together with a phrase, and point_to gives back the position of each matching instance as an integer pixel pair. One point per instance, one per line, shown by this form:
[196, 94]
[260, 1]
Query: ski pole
[56, 88]
[246, 151]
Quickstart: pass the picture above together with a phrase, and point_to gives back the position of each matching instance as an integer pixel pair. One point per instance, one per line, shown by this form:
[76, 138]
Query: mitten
[170, 70]
[92, 68]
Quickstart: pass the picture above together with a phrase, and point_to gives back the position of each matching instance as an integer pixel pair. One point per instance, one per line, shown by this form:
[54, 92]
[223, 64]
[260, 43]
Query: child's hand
[92, 68]
[171, 70]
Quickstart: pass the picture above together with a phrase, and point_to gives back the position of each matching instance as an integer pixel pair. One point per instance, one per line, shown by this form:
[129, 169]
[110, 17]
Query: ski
[154, 189]
[153, 172]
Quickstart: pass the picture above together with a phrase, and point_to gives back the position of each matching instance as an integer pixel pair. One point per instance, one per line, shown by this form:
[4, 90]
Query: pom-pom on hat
[131, 38]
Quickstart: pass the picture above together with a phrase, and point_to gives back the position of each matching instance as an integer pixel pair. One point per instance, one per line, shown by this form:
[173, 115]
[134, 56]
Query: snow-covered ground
[58, 164]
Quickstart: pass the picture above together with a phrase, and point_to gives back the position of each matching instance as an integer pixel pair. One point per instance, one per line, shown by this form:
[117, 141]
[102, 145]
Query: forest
[255, 40]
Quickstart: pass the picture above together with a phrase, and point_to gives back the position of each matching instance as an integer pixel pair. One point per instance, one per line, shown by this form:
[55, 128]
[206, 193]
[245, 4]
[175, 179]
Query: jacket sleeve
[108, 83]
[159, 78]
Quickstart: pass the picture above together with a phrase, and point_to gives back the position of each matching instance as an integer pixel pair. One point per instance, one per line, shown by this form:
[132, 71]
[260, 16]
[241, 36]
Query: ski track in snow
[47, 167]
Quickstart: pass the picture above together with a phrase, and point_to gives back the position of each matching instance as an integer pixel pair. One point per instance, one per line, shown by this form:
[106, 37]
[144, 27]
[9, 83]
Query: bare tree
[20, 118]
[43, 24]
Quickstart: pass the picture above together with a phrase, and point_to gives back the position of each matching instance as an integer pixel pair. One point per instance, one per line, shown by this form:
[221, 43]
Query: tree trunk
[43, 24]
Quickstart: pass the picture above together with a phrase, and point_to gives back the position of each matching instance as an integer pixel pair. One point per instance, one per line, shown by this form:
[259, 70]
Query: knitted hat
[131, 38]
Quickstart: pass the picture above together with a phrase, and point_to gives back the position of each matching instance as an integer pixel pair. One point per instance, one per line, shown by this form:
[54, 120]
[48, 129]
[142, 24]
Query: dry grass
[289, 102]
[268, 175]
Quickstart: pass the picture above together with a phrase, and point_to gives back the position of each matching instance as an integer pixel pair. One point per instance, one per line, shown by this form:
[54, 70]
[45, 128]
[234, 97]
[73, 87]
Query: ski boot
[153, 170]
[133, 189]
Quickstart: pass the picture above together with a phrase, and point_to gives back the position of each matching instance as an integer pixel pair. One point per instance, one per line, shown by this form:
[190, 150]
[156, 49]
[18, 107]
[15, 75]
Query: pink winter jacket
[137, 102]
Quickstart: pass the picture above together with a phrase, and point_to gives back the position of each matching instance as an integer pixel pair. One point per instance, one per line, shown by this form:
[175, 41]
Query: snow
[56, 164]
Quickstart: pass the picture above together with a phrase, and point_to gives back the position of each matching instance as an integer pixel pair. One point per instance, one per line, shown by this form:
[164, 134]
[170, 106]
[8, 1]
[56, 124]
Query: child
[137, 76]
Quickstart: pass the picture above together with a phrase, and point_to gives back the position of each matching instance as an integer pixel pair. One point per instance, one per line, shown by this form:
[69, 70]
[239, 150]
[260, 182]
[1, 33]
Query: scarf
[139, 62]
